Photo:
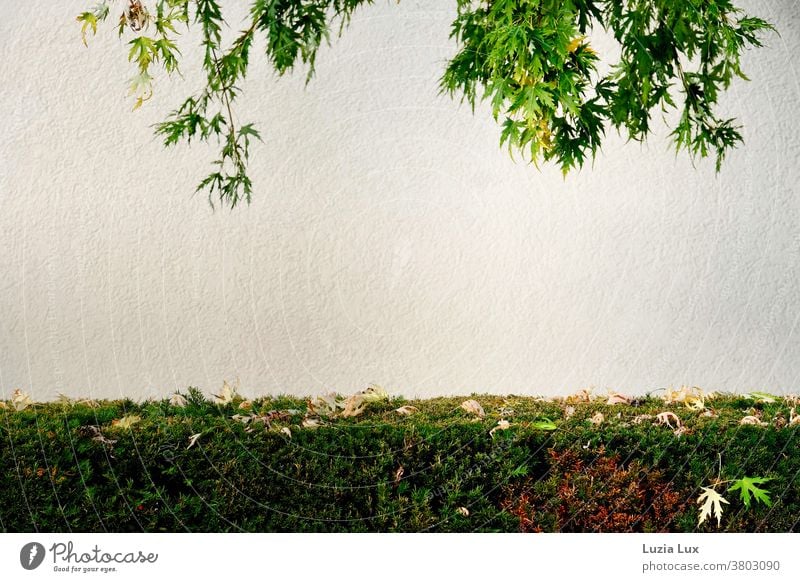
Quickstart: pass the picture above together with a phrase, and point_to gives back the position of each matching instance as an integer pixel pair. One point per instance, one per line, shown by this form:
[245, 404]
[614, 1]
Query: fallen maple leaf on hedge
[692, 397]
[754, 420]
[544, 423]
[178, 400]
[711, 504]
[597, 419]
[325, 405]
[665, 418]
[616, 398]
[761, 397]
[406, 410]
[356, 404]
[20, 400]
[747, 487]
[584, 395]
[126, 422]
[226, 395]
[473, 407]
[501, 425]
[193, 440]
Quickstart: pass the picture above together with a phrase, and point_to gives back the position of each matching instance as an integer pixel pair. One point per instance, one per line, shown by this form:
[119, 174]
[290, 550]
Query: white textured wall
[390, 240]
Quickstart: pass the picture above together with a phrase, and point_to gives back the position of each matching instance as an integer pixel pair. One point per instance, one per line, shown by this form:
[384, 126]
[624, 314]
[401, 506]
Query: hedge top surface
[371, 462]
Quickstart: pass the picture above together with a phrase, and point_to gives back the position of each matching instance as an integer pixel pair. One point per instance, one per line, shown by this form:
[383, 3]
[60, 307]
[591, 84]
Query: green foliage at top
[531, 59]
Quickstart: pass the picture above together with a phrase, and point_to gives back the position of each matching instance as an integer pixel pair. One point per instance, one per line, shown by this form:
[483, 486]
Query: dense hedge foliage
[68, 466]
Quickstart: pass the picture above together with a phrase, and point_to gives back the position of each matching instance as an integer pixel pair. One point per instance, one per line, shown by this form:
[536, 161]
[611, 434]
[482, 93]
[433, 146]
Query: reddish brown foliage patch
[598, 494]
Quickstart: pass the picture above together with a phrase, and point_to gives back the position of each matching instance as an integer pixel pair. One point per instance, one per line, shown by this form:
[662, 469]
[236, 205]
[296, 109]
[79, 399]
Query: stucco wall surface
[390, 239]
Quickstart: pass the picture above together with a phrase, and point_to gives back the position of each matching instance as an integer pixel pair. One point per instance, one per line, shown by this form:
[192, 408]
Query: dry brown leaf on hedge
[569, 412]
[325, 404]
[287, 431]
[584, 395]
[753, 420]
[3, 405]
[398, 475]
[501, 425]
[245, 405]
[681, 430]
[193, 440]
[126, 422]
[226, 395]
[616, 398]
[93, 431]
[463, 511]
[310, 423]
[597, 418]
[639, 418]
[353, 406]
[64, 400]
[473, 407]
[794, 418]
[20, 400]
[178, 400]
[406, 410]
[665, 418]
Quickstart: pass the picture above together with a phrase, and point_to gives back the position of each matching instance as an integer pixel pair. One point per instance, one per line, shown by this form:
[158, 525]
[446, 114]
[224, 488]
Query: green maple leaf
[544, 423]
[747, 487]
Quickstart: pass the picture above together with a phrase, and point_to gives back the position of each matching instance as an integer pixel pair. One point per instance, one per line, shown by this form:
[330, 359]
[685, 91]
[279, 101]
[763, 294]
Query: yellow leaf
[576, 42]
[126, 422]
[692, 397]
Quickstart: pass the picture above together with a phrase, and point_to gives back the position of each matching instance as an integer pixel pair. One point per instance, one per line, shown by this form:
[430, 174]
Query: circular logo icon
[31, 555]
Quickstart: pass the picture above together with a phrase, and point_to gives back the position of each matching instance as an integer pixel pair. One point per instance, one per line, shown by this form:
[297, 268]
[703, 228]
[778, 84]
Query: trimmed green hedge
[66, 466]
